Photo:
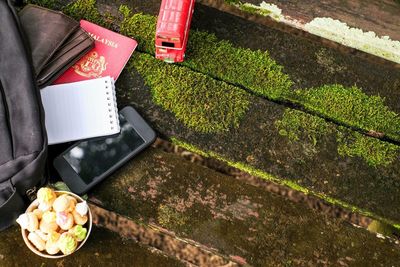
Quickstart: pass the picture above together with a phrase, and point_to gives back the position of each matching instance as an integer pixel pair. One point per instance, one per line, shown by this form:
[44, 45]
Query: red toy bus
[173, 29]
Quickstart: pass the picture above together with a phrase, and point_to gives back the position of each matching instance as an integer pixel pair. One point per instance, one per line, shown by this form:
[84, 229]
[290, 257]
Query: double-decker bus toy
[173, 27]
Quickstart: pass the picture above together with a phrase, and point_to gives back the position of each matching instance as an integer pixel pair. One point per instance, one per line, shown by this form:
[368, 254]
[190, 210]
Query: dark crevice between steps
[189, 252]
[312, 202]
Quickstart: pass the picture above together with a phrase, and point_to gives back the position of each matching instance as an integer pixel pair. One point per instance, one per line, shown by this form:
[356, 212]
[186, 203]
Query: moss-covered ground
[258, 73]
[375, 153]
[200, 102]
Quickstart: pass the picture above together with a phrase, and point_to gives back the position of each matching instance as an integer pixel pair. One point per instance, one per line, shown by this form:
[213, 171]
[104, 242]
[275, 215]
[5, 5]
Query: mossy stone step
[235, 218]
[103, 248]
[311, 66]
[287, 146]
[343, 88]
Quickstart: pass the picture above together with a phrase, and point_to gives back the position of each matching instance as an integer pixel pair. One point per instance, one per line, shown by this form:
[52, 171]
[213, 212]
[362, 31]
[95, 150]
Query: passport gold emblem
[91, 66]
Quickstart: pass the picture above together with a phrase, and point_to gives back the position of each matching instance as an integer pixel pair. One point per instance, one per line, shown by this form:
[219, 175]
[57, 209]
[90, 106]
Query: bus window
[167, 44]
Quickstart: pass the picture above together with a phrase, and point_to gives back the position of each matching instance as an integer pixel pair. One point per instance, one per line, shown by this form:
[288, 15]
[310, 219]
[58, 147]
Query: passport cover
[109, 56]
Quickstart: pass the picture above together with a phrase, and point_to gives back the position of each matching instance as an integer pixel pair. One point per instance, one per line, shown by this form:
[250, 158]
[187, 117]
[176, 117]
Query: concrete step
[235, 219]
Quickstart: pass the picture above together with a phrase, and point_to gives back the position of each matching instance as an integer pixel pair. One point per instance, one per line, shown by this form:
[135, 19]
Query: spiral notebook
[80, 110]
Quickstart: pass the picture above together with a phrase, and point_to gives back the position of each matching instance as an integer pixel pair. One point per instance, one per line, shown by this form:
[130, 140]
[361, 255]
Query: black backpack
[23, 140]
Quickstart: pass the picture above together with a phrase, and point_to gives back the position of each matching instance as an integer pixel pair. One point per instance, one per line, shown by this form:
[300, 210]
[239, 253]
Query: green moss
[253, 9]
[216, 58]
[200, 102]
[84, 9]
[379, 227]
[80, 9]
[297, 125]
[301, 127]
[170, 218]
[254, 70]
[250, 8]
[139, 26]
[350, 106]
[374, 151]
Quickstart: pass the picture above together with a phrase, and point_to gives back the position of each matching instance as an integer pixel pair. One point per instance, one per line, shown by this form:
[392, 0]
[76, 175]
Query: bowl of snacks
[56, 224]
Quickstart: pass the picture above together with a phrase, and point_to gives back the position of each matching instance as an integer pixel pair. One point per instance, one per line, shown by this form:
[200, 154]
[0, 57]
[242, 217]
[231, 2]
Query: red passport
[108, 57]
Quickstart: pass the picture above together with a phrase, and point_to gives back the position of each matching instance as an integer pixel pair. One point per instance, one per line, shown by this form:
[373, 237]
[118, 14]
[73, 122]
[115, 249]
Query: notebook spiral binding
[112, 98]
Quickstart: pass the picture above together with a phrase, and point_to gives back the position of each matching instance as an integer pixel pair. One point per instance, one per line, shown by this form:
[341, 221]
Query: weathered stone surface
[161, 240]
[257, 143]
[235, 218]
[103, 248]
[382, 16]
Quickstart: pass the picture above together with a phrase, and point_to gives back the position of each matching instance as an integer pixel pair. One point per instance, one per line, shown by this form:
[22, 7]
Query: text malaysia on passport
[108, 57]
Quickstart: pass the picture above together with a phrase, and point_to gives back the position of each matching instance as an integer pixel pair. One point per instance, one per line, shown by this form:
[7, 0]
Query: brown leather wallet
[56, 41]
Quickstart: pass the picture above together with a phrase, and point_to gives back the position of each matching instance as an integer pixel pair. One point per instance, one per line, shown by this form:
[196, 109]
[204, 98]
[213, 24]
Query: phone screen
[92, 158]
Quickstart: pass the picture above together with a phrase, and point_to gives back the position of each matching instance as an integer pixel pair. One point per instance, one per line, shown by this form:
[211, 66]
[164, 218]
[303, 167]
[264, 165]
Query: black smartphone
[87, 163]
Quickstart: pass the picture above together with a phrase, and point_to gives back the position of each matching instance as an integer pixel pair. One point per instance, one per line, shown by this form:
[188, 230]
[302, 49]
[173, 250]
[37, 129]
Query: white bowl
[25, 232]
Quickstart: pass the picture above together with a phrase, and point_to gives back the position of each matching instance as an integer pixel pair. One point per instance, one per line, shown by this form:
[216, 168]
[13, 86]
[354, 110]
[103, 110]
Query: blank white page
[80, 110]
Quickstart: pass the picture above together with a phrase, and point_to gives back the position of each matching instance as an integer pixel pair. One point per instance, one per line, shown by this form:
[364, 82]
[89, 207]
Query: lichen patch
[369, 42]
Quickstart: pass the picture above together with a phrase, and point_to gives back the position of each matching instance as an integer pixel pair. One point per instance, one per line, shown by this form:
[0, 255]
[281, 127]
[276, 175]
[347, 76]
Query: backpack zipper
[31, 193]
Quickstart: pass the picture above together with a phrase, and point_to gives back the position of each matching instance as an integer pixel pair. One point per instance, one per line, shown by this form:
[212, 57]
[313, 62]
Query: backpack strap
[24, 116]
[11, 204]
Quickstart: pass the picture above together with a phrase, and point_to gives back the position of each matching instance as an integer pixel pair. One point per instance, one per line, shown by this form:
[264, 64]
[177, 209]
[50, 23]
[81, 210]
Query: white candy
[23, 220]
[82, 208]
[42, 235]
[44, 207]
